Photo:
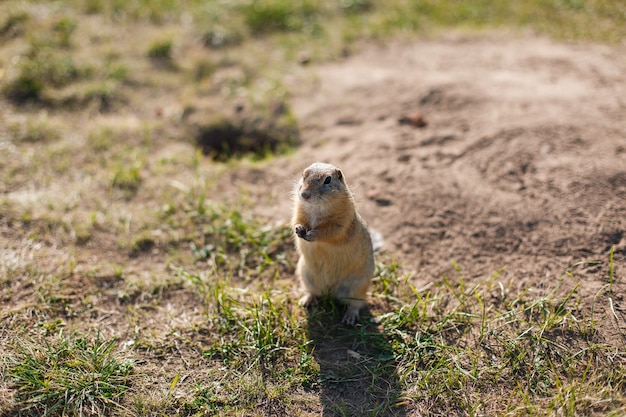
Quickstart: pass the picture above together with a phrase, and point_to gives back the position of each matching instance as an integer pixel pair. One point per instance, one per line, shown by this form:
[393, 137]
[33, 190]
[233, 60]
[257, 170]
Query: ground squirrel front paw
[308, 235]
[300, 231]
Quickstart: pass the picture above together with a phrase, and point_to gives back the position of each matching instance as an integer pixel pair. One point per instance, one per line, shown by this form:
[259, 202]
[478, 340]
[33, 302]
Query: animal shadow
[357, 366]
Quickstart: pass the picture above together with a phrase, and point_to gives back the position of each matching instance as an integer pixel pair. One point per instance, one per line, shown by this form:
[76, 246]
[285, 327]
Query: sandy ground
[521, 167]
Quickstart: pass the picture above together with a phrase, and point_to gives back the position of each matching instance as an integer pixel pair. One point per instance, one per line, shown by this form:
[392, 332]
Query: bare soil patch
[521, 167]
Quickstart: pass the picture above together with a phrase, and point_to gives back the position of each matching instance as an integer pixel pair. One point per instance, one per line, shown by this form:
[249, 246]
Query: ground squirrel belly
[336, 254]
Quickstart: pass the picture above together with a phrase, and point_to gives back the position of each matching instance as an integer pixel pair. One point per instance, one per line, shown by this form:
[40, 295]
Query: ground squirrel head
[320, 181]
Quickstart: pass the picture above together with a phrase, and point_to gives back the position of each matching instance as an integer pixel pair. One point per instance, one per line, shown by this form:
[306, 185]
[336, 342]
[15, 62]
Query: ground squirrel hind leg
[352, 313]
[310, 297]
[353, 293]
[308, 300]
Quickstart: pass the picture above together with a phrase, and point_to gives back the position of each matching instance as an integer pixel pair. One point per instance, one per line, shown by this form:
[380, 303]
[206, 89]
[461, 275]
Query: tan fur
[336, 255]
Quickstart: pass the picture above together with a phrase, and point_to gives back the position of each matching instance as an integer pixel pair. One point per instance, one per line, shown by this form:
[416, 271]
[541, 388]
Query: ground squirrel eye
[327, 179]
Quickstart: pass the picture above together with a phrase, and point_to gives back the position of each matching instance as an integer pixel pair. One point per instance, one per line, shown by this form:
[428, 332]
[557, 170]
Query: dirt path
[521, 167]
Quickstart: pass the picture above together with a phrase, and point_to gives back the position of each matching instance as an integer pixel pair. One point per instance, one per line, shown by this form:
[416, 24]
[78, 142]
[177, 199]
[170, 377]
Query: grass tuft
[161, 53]
[70, 376]
[42, 68]
[13, 25]
[266, 16]
[127, 179]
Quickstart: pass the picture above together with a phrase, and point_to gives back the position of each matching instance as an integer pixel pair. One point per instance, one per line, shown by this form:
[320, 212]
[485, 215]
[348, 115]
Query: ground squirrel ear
[339, 175]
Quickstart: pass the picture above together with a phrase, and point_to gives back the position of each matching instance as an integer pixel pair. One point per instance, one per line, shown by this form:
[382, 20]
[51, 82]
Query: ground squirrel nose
[306, 194]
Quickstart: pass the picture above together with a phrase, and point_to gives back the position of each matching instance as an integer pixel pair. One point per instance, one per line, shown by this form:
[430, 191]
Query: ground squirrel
[336, 254]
